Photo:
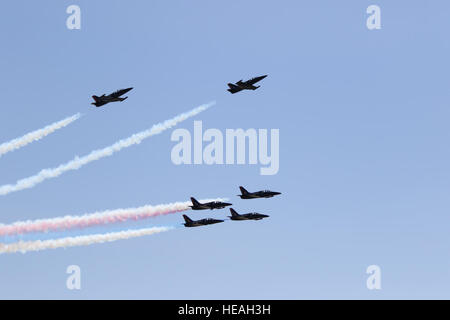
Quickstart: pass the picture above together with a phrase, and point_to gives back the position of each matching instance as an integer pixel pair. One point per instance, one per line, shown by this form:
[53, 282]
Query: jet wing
[253, 81]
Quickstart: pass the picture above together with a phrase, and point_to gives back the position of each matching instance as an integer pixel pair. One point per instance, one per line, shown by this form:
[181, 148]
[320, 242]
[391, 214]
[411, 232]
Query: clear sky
[364, 157]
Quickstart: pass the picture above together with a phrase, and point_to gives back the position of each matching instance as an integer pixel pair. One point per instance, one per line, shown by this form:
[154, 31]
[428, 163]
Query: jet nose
[277, 193]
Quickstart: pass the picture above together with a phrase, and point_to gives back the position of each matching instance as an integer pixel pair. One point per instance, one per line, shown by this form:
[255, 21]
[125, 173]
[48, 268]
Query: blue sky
[364, 157]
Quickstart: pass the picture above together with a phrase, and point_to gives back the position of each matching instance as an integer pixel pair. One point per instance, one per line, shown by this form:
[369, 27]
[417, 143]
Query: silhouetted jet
[258, 194]
[113, 97]
[247, 216]
[245, 85]
[209, 205]
[203, 222]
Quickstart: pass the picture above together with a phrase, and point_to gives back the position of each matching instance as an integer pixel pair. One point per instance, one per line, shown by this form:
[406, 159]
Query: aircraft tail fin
[233, 88]
[233, 212]
[243, 190]
[194, 201]
[95, 98]
[187, 219]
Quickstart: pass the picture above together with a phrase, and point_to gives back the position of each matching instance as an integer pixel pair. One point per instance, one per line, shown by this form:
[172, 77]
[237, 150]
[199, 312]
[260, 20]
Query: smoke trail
[25, 246]
[36, 135]
[95, 219]
[78, 162]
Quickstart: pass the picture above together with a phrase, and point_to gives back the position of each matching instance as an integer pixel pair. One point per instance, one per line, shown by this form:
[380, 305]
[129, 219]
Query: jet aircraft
[208, 205]
[113, 97]
[199, 223]
[246, 216]
[245, 85]
[258, 194]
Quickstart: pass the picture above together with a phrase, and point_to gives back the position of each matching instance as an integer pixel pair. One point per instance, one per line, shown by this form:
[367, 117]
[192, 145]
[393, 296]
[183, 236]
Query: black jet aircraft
[113, 97]
[245, 85]
[209, 205]
[203, 222]
[246, 216]
[258, 194]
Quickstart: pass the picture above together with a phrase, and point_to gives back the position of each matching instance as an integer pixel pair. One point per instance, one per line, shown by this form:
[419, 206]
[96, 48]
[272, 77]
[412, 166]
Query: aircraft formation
[233, 88]
[70, 222]
[235, 216]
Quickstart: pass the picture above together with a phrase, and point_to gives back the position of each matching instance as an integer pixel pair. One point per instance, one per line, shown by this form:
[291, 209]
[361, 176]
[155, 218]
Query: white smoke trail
[36, 135]
[78, 162]
[95, 219]
[25, 246]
